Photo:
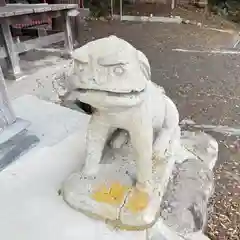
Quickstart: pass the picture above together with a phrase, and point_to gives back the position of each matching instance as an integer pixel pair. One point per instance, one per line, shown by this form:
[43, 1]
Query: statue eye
[119, 70]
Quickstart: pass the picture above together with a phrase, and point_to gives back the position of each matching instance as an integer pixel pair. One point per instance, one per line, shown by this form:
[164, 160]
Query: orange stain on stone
[137, 201]
[113, 195]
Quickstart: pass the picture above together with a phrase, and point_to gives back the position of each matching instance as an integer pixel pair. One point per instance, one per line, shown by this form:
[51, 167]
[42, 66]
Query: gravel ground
[192, 13]
[205, 88]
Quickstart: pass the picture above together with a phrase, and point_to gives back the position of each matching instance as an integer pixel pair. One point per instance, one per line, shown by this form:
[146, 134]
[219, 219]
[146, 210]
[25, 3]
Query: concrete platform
[30, 205]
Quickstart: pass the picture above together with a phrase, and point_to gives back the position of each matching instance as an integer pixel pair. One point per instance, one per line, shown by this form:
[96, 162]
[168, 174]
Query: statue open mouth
[94, 97]
[87, 108]
[110, 93]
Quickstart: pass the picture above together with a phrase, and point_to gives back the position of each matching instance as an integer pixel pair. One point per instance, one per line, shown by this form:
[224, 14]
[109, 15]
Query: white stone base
[119, 167]
[29, 204]
[119, 171]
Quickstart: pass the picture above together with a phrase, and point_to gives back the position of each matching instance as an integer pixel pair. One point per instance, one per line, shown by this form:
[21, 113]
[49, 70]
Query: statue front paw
[90, 170]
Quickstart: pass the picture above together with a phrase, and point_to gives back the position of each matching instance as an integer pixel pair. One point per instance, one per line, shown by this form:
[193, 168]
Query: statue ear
[144, 64]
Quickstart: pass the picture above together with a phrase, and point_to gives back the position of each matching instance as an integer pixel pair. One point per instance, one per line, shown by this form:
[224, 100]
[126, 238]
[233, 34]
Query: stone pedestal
[111, 194]
[10, 126]
[30, 186]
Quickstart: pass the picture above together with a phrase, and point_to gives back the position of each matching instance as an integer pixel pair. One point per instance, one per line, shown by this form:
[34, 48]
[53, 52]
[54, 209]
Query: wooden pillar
[10, 125]
[7, 116]
[9, 46]
[68, 32]
[2, 3]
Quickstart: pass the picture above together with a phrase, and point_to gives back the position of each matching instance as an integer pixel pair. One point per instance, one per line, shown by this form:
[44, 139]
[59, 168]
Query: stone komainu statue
[116, 81]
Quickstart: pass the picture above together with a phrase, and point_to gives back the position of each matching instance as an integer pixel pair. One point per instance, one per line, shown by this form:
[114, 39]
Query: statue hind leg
[169, 134]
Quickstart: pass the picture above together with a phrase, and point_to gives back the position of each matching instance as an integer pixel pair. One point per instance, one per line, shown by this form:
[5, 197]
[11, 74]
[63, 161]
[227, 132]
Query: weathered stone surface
[114, 78]
[9, 131]
[101, 195]
[160, 231]
[30, 204]
[29, 187]
[111, 194]
[46, 79]
[185, 201]
[184, 207]
[162, 170]
[38, 112]
[15, 147]
[203, 146]
[196, 236]
[13, 142]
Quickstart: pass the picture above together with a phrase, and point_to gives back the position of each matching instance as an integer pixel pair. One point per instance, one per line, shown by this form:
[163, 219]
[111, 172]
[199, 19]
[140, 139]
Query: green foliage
[99, 8]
